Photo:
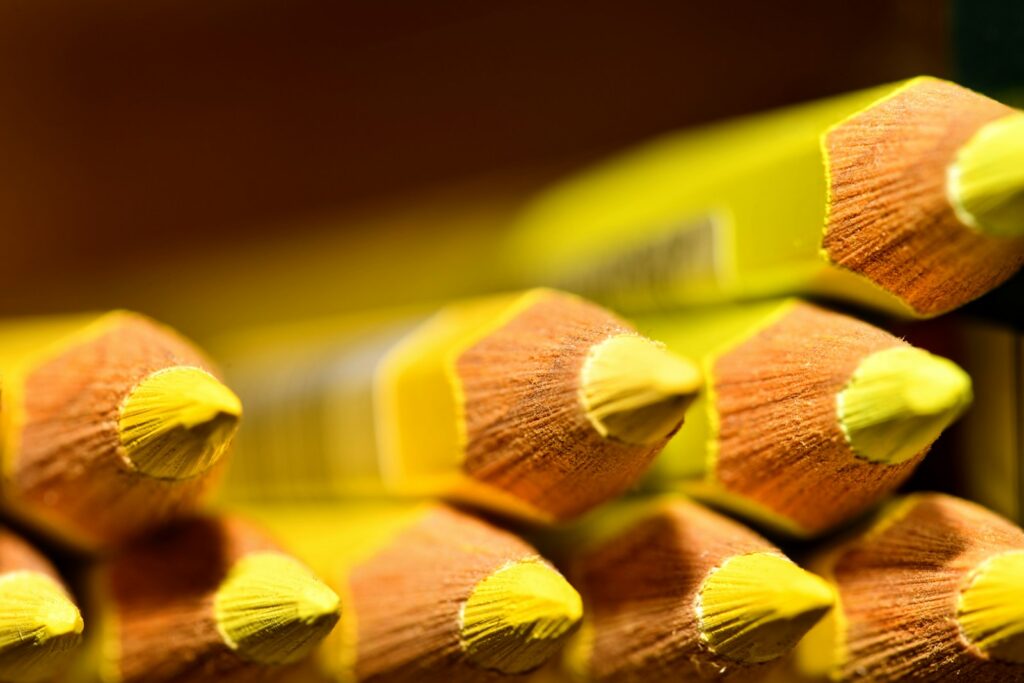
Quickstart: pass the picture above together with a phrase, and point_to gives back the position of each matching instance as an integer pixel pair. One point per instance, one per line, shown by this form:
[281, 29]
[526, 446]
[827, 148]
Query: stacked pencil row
[540, 408]
[405, 459]
[552, 407]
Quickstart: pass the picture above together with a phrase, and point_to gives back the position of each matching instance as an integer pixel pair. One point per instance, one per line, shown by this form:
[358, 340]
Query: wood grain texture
[779, 440]
[640, 590]
[161, 597]
[407, 599]
[71, 474]
[899, 586]
[889, 218]
[527, 432]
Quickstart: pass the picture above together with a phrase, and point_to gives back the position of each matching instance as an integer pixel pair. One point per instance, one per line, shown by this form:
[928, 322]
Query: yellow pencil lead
[635, 390]
[519, 616]
[898, 401]
[176, 423]
[39, 627]
[272, 610]
[986, 182]
[991, 609]
[755, 607]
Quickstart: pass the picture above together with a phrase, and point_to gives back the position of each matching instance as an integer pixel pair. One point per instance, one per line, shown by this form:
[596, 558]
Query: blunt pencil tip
[991, 607]
[635, 390]
[63, 619]
[519, 616]
[177, 422]
[986, 182]
[898, 401]
[272, 610]
[755, 607]
[39, 627]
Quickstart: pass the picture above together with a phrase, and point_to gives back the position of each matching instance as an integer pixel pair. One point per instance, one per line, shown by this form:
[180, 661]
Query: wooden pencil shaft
[916, 593]
[209, 599]
[431, 593]
[679, 593]
[810, 416]
[849, 197]
[68, 466]
[515, 403]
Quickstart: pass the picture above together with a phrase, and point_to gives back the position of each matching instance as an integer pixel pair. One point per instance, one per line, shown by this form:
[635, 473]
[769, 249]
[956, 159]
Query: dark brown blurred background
[229, 162]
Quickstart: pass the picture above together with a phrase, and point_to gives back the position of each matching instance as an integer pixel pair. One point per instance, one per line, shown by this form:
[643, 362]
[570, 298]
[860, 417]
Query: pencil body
[675, 592]
[205, 600]
[989, 445]
[69, 466]
[776, 438]
[40, 626]
[490, 401]
[430, 593]
[909, 588]
[846, 197]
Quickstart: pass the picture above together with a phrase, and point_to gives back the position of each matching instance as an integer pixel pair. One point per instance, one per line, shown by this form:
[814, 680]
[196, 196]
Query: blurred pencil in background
[989, 443]
[277, 200]
[40, 625]
[208, 599]
[430, 593]
[917, 185]
[675, 592]
[537, 404]
[810, 416]
[987, 448]
[931, 590]
[112, 425]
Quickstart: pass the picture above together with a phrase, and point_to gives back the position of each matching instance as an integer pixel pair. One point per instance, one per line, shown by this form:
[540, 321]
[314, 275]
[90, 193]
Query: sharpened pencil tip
[635, 390]
[519, 616]
[898, 401]
[40, 627]
[986, 182]
[756, 607]
[991, 609]
[272, 610]
[177, 422]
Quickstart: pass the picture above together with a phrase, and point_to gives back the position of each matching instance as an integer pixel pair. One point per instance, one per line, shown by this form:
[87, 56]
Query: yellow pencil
[40, 626]
[989, 443]
[431, 594]
[536, 404]
[111, 425]
[908, 196]
[675, 592]
[208, 599]
[810, 417]
[933, 590]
